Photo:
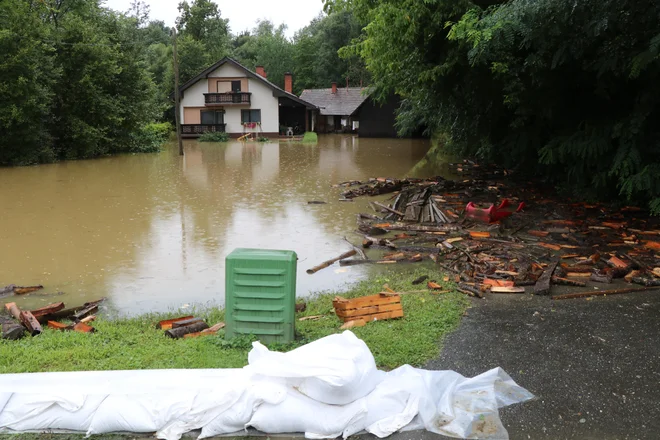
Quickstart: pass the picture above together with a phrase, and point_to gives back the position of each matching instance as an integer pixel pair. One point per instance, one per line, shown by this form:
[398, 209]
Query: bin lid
[262, 254]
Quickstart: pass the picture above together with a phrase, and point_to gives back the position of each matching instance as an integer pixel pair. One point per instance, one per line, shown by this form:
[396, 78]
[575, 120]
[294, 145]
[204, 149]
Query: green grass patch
[216, 136]
[310, 137]
[135, 343]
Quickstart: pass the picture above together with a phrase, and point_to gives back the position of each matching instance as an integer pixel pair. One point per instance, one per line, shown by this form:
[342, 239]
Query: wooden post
[177, 93]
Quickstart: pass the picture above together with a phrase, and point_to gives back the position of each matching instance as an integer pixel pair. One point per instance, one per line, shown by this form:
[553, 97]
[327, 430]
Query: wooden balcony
[199, 129]
[230, 98]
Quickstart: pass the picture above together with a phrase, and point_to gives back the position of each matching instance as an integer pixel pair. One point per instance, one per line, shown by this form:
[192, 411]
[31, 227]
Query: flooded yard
[151, 232]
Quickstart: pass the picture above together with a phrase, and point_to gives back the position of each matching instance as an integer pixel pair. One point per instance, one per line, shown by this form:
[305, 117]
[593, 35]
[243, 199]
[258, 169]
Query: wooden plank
[393, 211]
[553, 247]
[578, 274]
[92, 308]
[47, 310]
[538, 233]
[167, 323]
[542, 286]
[378, 316]
[59, 326]
[479, 234]
[372, 300]
[81, 327]
[499, 289]
[368, 310]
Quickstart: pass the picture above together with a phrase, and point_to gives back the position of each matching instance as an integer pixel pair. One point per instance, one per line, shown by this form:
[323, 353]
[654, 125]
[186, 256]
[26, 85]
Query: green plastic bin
[260, 294]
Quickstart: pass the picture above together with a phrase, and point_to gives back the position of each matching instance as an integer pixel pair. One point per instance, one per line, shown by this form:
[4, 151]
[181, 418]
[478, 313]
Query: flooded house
[229, 97]
[352, 110]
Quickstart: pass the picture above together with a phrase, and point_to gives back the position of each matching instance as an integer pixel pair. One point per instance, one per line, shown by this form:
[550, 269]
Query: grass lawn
[135, 343]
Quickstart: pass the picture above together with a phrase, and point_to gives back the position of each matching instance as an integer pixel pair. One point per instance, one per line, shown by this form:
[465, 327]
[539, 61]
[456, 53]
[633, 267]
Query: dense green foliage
[135, 343]
[73, 82]
[215, 136]
[564, 90]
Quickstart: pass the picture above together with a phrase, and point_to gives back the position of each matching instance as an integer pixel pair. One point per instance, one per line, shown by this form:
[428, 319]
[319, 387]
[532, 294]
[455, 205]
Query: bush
[311, 137]
[214, 137]
[150, 138]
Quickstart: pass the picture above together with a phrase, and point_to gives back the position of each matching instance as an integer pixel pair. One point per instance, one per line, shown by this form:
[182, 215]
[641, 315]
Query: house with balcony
[228, 97]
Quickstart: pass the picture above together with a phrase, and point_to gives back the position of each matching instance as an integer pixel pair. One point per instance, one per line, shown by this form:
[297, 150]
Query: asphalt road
[594, 365]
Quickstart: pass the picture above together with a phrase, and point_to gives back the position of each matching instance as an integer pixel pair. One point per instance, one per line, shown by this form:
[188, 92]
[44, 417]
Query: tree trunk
[177, 93]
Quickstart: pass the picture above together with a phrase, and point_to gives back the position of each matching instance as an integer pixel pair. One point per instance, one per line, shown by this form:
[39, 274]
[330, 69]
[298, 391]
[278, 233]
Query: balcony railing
[227, 98]
[198, 129]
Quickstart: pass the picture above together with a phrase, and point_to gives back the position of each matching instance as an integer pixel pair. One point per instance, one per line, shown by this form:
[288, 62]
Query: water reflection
[151, 231]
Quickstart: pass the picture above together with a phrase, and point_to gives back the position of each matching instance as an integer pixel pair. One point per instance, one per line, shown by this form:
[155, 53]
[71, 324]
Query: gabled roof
[343, 103]
[277, 92]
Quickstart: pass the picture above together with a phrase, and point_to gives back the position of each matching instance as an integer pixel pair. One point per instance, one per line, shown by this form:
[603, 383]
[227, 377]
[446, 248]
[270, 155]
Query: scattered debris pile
[188, 327]
[32, 321]
[496, 238]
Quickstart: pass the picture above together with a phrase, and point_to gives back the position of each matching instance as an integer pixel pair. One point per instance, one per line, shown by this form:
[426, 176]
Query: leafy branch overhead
[569, 91]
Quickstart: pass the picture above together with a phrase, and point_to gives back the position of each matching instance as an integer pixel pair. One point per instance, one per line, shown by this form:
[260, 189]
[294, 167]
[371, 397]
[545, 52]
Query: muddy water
[151, 232]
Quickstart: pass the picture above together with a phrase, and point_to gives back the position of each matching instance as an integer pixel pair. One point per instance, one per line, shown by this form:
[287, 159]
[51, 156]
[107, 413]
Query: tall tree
[27, 75]
[202, 22]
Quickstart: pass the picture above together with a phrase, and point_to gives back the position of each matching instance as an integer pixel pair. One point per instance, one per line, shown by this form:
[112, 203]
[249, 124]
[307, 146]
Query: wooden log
[22, 290]
[567, 282]
[199, 334]
[645, 281]
[7, 289]
[178, 333]
[13, 309]
[542, 286]
[598, 278]
[90, 318]
[166, 324]
[357, 249]
[11, 331]
[31, 323]
[370, 241]
[85, 312]
[186, 322]
[67, 313]
[325, 264]
[603, 292]
[393, 211]
[470, 290]
[47, 310]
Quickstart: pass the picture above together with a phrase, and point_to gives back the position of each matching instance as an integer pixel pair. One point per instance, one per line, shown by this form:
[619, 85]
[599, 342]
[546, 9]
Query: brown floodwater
[151, 232]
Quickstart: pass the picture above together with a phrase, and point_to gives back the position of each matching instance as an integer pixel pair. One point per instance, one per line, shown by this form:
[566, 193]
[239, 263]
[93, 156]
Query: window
[235, 86]
[210, 117]
[250, 116]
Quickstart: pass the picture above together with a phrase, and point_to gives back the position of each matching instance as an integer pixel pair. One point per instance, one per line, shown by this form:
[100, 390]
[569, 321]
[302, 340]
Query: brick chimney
[334, 88]
[288, 82]
[261, 71]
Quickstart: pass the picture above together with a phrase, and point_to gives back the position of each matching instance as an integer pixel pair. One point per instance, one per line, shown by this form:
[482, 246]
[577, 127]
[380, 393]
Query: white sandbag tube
[337, 369]
[326, 389]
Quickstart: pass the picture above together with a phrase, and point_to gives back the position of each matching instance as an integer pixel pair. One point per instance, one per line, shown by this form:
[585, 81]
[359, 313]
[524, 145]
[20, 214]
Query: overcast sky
[242, 14]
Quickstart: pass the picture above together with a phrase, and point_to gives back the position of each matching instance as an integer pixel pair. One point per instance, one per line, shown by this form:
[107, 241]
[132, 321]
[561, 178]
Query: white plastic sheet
[326, 389]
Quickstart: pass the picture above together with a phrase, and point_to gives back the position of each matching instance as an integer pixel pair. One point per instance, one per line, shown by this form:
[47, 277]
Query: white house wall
[261, 99]
[194, 96]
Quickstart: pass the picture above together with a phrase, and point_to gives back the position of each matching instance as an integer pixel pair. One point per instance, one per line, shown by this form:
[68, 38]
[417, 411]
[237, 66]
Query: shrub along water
[214, 137]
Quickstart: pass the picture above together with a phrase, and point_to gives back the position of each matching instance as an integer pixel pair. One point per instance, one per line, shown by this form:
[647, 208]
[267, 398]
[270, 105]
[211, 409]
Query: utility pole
[177, 113]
